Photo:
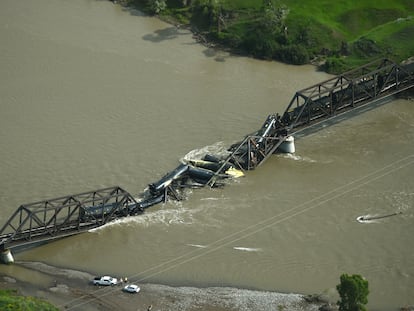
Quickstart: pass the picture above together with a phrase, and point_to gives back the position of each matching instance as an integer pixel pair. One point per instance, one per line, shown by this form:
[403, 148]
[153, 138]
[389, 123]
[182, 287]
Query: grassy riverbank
[11, 301]
[338, 35]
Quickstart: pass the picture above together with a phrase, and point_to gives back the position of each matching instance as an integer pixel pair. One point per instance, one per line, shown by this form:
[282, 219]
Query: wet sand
[72, 290]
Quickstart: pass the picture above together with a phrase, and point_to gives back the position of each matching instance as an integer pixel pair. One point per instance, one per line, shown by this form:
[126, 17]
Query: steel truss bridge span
[65, 216]
[317, 105]
[371, 82]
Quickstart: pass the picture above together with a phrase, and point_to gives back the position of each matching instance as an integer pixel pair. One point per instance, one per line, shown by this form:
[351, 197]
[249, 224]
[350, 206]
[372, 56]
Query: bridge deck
[324, 103]
[68, 215]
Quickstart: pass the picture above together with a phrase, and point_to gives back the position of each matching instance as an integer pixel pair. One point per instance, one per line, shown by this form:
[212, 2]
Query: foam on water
[197, 245]
[210, 199]
[365, 219]
[401, 201]
[168, 217]
[296, 157]
[376, 217]
[218, 149]
[247, 249]
[238, 248]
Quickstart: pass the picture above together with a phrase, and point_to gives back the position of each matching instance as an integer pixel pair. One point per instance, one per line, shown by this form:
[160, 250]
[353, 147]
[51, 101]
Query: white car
[132, 288]
[105, 280]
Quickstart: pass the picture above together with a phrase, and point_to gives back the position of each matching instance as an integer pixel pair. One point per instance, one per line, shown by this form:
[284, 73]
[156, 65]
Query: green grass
[388, 24]
[347, 33]
[397, 37]
[11, 301]
[351, 18]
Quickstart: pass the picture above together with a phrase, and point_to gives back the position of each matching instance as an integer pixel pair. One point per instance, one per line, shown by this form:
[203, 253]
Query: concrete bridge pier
[6, 256]
[288, 146]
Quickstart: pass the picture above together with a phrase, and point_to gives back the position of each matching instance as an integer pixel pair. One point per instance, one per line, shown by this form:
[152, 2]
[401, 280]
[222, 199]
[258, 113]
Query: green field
[341, 34]
[349, 19]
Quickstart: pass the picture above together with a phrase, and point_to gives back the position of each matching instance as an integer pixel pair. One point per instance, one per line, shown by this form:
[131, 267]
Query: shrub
[293, 54]
[366, 48]
[157, 6]
[10, 301]
[353, 291]
[260, 44]
[335, 65]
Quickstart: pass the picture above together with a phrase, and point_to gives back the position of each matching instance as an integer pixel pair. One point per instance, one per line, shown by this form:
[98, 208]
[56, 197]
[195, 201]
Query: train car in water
[116, 209]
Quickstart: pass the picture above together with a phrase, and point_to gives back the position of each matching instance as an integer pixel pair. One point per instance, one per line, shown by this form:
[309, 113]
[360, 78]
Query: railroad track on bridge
[326, 102]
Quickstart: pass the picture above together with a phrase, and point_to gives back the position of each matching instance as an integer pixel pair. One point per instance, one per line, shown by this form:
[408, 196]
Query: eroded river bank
[72, 290]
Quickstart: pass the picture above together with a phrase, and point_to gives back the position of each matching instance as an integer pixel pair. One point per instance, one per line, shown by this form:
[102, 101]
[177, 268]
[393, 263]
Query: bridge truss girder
[375, 80]
[252, 151]
[63, 216]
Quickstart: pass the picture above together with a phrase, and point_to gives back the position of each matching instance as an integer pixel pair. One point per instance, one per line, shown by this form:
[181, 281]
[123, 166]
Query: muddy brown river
[92, 96]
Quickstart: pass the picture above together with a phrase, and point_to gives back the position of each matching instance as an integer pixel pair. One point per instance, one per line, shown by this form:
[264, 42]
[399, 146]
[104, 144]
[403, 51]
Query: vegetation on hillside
[338, 34]
[11, 301]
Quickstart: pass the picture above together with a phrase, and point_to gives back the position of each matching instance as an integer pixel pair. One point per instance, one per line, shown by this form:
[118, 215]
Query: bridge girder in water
[320, 102]
[56, 218]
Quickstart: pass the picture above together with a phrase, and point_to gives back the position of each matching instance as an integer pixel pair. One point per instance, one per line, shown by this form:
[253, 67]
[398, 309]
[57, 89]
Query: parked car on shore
[105, 280]
[131, 288]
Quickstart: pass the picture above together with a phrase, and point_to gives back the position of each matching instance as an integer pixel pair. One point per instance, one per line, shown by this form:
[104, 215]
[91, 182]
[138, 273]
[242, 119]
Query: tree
[353, 291]
[157, 6]
[208, 13]
[272, 16]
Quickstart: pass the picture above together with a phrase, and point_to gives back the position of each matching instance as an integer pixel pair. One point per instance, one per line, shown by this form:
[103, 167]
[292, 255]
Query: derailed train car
[191, 174]
[112, 210]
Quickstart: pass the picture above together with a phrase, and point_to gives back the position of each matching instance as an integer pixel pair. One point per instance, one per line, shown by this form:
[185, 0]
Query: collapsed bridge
[324, 103]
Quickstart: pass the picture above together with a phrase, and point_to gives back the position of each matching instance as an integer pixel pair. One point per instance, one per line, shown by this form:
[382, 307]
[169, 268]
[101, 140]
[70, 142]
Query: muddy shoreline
[72, 290]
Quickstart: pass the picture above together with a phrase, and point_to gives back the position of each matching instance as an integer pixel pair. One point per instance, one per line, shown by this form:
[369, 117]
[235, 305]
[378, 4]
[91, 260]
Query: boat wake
[374, 218]
[364, 219]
